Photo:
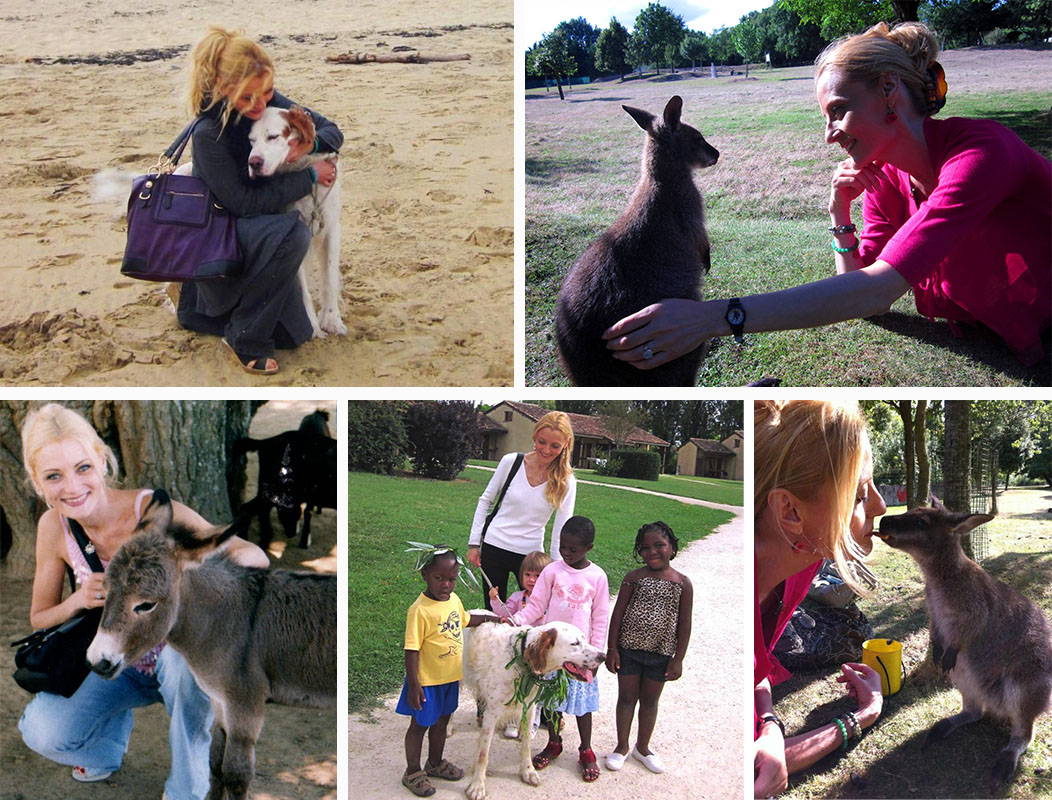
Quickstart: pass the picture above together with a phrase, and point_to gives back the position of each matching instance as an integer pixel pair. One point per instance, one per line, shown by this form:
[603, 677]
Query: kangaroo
[994, 644]
[657, 249]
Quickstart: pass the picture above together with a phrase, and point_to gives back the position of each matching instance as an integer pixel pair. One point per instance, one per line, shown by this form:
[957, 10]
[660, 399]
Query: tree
[694, 47]
[611, 49]
[621, 418]
[442, 437]
[376, 437]
[840, 17]
[962, 24]
[747, 39]
[184, 446]
[552, 59]
[656, 29]
[581, 38]
[915, 450]
[1040, 464]
[721, 46]
[957, 460]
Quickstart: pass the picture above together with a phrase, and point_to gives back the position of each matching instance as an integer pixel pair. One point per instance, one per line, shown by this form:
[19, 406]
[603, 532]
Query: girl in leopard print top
[649, 631]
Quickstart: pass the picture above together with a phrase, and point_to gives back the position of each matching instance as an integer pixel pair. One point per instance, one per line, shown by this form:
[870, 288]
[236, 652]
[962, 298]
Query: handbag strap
[500, 498]
[175, 149]
[85, 545]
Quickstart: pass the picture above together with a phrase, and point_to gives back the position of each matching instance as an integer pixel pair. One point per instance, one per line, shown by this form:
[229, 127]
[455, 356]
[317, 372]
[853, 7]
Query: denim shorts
[439, 701]
[643, 662]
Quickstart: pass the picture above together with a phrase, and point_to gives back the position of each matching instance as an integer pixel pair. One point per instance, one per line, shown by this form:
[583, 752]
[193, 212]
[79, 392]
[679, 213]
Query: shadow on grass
[598, 99]
[1030, 573]
[551, 169]
[1032, 126]
[979, 344]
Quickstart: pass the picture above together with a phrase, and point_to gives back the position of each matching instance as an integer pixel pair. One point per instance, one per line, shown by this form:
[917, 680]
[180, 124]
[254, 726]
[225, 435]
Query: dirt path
[296, 753]
[699, 729]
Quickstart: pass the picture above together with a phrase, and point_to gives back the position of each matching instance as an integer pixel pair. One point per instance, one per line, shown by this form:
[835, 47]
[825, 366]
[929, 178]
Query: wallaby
[656, 249]
[995, 645]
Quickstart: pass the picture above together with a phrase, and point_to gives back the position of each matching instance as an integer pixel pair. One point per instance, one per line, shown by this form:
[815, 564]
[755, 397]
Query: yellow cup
[885, 656]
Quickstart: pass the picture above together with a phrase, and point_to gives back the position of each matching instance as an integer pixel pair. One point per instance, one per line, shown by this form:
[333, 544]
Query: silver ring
[647, 353]
[98, 595]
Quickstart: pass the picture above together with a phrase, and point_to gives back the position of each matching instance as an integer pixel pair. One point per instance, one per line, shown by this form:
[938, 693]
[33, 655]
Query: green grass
[392, 510]
[888, 762]
[766, 217]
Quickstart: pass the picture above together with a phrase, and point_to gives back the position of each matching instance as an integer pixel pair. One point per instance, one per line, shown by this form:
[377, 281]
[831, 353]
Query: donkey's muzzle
[106, 668]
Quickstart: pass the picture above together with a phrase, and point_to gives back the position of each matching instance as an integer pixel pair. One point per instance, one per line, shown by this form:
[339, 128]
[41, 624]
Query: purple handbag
[176, 229]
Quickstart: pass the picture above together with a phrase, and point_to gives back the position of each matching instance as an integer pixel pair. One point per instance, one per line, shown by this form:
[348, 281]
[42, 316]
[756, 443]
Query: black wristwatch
[773, 718]
[735, 317]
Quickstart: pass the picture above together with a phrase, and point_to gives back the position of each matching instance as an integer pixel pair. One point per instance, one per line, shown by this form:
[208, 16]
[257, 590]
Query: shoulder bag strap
[86, 547]
[500, 498]
[175, 149]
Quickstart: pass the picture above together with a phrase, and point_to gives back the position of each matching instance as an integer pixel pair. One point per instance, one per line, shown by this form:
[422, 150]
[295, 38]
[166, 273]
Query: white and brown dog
[546, 648]
[272, 136]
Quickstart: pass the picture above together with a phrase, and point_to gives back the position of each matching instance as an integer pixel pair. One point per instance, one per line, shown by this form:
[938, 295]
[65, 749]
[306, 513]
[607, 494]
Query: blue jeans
[91, 729]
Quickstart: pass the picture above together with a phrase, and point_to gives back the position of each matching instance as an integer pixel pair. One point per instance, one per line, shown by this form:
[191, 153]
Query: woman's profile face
[868, 505]
[69, 477]
[548, 443]
[251, 102]
[856, 117]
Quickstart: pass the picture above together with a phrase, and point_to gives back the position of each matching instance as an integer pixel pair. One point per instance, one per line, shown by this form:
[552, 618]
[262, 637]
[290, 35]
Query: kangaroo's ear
[966, 522]
[301, 123]
[644, 119]
[536, 654]
[673, 109]
[936, 504]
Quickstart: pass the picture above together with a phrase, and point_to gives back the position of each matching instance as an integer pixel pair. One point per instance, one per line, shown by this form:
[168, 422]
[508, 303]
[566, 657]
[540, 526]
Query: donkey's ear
[966, 522]
[644, 119]
[536, 653]
[673, 110]
[157, 516]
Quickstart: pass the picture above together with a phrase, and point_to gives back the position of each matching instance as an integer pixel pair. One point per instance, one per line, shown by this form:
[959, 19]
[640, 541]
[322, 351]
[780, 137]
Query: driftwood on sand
[395, 58]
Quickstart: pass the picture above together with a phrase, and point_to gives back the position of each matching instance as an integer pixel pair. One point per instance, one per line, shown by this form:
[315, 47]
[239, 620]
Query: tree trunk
[920, 444]
[183, 446]
[560, 85]
[957, 467]
[993, 480]
[905, 412]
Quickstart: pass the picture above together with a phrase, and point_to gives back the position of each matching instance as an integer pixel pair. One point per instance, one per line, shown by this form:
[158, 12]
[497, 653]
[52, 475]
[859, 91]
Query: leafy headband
[426, 553]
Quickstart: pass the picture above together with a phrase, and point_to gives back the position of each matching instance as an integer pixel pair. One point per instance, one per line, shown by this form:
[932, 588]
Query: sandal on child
[444, 770]
[85, 775]
[418, 783]
[589, 766]
[251, 364]
[545, 757]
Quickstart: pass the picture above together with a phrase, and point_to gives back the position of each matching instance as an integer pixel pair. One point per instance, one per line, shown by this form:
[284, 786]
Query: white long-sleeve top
[524, 513]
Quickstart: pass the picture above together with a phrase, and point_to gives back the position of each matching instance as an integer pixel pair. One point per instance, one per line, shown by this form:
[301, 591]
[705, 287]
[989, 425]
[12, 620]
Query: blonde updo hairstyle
[814, 449]
[908, 50]
[222, 64]
[55, 423]
[559, 471]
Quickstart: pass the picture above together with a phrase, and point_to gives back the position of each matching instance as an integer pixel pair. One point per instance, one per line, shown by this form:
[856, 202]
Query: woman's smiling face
[69, 477]
[856, 117]
[548, 444]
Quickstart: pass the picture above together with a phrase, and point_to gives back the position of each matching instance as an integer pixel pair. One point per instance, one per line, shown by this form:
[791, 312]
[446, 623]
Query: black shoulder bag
[55, 659]
[500, 498]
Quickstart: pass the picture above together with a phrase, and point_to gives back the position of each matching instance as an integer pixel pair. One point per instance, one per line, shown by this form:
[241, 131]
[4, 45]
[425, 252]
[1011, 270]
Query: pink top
[767, 629]
[978, 249]
[81, 571]
[517, 602]
[578, 596]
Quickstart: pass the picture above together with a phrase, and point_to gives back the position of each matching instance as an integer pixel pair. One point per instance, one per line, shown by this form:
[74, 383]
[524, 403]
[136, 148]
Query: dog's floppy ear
[644, 119]
[536, 654]
[301, 123]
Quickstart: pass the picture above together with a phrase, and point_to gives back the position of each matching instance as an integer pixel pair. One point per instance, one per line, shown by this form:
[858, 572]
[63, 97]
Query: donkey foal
[995, 645]
[248, 635]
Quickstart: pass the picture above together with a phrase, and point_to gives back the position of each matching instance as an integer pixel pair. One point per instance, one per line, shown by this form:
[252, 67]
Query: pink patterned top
[578, 596]
[148, 663]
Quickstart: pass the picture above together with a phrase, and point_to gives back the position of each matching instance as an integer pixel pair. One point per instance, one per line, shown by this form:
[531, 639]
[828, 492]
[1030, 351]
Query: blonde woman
[814, 498]
[71, 468]
[957, 210]
[231, 83]
[544, 483]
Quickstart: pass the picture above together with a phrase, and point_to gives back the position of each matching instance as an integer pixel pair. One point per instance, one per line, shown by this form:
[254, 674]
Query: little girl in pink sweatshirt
[573, 590]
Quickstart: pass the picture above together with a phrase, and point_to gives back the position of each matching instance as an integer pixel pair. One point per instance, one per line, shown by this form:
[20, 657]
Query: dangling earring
[891, 115]
[798, 546]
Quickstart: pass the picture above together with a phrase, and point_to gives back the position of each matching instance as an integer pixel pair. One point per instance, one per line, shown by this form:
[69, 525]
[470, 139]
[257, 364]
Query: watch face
[735, 316]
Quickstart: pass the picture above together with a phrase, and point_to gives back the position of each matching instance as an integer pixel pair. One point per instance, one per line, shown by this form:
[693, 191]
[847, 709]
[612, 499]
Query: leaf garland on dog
[548, 692]
[426, 554]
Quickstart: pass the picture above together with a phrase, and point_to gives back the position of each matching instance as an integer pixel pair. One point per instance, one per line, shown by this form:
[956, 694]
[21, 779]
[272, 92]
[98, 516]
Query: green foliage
[722, 47]
[962, 24]
[442, 436]
[747, 39]
[694, 48]
[640, 464]
[610, 467]
[611, 49]
[376, 438]
[840, 17]
[581, 38]
[656, 30]
[552, 57]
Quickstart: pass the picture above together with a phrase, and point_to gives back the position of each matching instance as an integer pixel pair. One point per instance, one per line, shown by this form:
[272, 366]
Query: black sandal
[250, 363]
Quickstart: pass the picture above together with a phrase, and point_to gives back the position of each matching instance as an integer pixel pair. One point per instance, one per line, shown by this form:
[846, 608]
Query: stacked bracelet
[855, 725]
[836, 230]
[843, 732]
[844, 249]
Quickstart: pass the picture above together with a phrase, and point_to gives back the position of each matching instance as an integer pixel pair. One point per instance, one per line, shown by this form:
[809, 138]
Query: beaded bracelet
[855, 724]
[838, 229]
[844, 249]
[843, 732]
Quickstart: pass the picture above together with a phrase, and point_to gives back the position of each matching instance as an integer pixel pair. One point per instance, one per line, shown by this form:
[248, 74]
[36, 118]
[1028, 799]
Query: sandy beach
[427, 189]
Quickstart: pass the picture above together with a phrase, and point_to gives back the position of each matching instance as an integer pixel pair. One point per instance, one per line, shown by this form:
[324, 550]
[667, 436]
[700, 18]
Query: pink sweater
[578, 596]
[979, 248]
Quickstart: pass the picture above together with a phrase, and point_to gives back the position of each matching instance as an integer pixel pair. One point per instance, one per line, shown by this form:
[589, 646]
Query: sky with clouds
[540, 16]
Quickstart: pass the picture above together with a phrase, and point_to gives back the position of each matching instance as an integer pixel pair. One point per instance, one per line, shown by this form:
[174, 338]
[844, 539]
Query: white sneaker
[511, 731]
[652, 762]
[615, 761]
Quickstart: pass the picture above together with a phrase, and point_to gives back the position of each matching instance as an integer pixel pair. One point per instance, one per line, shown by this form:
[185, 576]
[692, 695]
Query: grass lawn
[712, 490]
[765, 202]
[392, 510]
[888, 762]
